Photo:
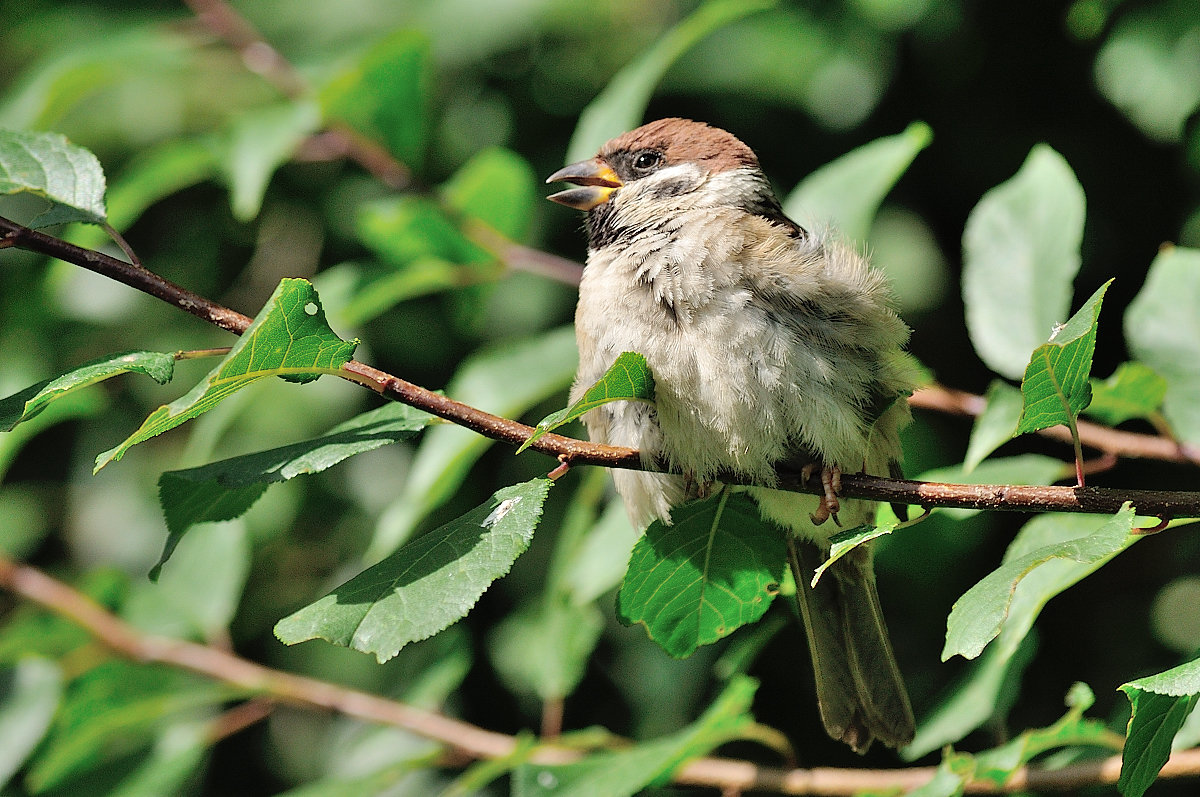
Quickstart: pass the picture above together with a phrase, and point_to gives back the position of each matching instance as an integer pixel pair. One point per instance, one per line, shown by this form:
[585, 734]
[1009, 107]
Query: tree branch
[1099, 500]
[473, 742]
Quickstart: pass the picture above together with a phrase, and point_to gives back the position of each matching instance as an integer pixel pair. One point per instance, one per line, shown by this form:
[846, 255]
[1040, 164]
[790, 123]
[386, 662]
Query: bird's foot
[831, 482]
[696, 488]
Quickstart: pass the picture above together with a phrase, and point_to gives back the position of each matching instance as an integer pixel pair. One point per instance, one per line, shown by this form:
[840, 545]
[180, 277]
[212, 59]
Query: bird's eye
[646, 161]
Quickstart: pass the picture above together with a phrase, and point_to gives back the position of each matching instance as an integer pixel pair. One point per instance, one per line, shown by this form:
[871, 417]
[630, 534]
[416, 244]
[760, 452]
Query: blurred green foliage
[224, 178]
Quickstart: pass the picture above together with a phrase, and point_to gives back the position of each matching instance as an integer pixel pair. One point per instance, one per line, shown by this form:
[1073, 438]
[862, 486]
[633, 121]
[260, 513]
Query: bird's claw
[831, 483]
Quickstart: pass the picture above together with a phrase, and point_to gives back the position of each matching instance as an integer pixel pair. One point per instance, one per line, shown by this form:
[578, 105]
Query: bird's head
[661, 170]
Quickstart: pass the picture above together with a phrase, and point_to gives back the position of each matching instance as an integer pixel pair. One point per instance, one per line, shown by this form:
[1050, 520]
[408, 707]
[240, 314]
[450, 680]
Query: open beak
[596, 179]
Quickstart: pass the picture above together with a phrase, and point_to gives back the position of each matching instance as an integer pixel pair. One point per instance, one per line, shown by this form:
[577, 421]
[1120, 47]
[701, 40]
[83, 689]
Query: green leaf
[849, 190]
[624, 773]
[1156, 718]
[30, 694]
[1056, 387]
[1160, 705]
[405, 228]
[985, 691]
[157, 173]
[114, 710]
[996, 425]
[717, 568]
[1133, 391]
[1070, 554]
[627, 379]
[1020, 255]
[25, 405]
[426, 585]
[226, 489]
[543, 649]
[498, 187]
[600, 562]
[1020, 469]
[950, 779]
[199, 596]
[289, 338]
[261, 141]
[485, 380]
[1163, 331]
[622, 103]
[386, 94]
[846, 541]
[48, 165]
[174, 760]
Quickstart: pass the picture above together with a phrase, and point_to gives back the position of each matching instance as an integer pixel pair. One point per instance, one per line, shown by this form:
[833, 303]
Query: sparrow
[773, 348]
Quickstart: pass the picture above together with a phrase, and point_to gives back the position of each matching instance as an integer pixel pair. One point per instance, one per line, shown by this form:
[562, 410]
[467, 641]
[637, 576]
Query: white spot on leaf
[502, 509]
[311, 308]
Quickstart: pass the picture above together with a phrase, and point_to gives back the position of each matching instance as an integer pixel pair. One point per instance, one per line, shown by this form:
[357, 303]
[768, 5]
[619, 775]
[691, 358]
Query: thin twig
[577, 452]
[472, 742]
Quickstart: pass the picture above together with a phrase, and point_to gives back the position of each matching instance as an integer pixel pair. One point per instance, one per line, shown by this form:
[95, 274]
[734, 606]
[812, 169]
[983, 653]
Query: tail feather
[860, 692]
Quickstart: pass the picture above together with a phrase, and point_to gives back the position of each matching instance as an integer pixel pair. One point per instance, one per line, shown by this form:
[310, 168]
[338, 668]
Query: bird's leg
[831, 483]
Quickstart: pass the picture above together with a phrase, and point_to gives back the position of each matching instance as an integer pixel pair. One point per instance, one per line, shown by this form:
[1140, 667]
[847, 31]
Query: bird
[773, 348]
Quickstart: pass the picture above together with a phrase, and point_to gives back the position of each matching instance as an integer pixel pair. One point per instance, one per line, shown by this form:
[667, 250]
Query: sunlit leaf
[426, 585]
[48, 165]
[846, 541]
[627, 772]
[982, 613]
[1163, 331]
[1133, 391]
[847, 192]
[627, 379]
[25, 405]
[1160, 705]
[289, 338]
[620, 106]
[1056, 387]
[226, 489]
[1020, 256]
[715, 569]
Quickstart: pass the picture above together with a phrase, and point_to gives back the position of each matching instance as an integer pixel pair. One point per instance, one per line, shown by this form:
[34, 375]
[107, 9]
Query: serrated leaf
[627, 379]
[1163, 331]
[1133, 391]
[717, 568]
[485, 380]
[1160, 703]
[849, 190]
[995, 425]
[386, 94]
[1056, 387]
[982, 612]
[622, 103]
[260, 141]
[846, 541]
[30, 694]
[1020, 256]
[426, 585]
[498, 187]
[625, 773]
[226, 489]
[289, 338]
[1152, 727]
[48, 165]
[26, 404]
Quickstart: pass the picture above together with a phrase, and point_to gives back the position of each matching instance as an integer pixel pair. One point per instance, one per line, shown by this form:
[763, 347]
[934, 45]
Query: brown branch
[578, 452]
[471, 742]
[1102, 438]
